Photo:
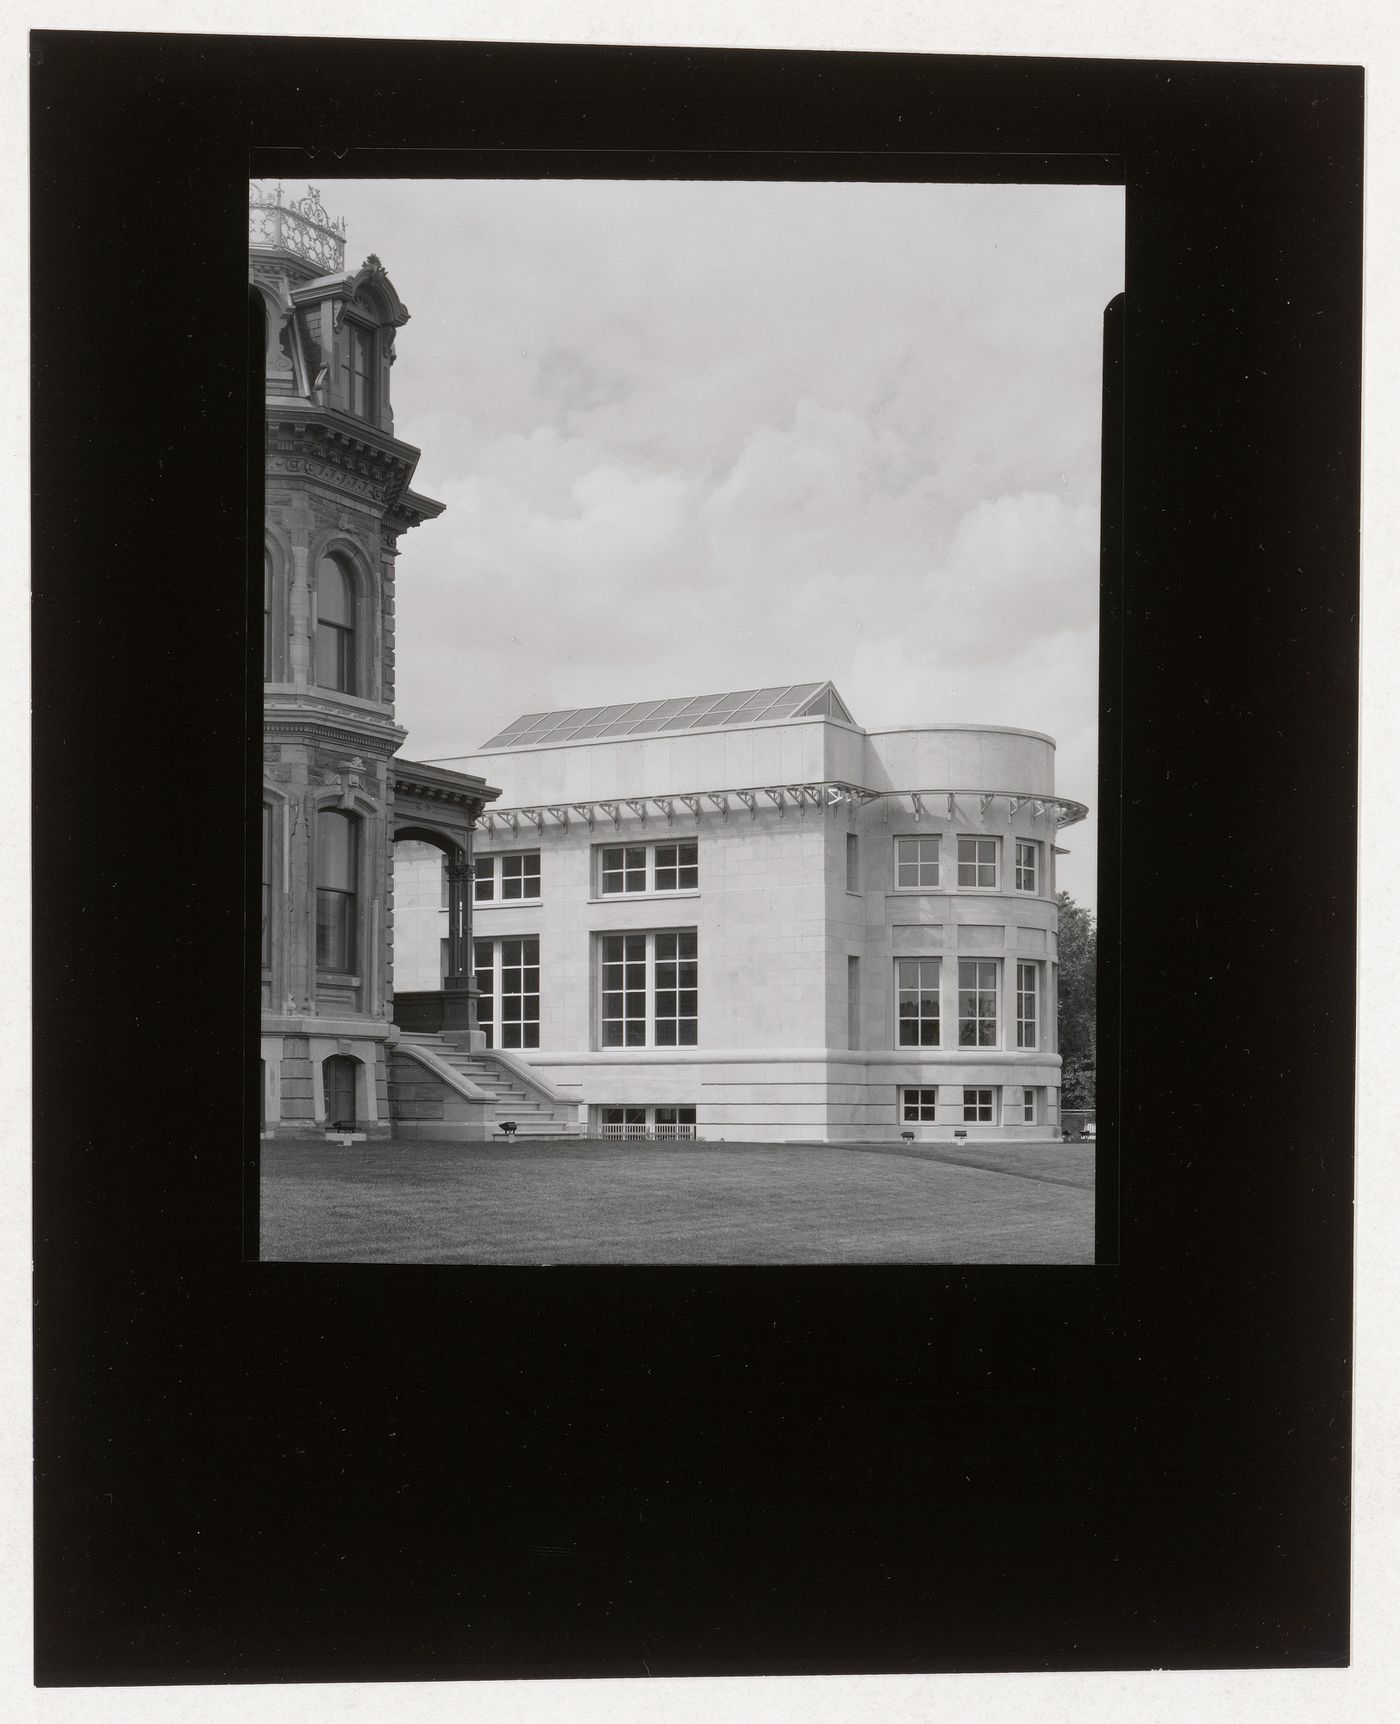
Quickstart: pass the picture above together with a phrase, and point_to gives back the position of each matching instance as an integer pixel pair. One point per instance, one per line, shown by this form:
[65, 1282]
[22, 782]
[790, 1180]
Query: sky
[697, 436]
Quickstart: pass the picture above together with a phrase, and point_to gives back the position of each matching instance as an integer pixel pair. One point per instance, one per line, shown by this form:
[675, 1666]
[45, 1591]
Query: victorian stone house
[336, 795]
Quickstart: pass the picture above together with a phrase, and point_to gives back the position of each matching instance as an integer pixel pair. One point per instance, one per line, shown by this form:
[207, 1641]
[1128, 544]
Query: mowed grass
[591, 1202]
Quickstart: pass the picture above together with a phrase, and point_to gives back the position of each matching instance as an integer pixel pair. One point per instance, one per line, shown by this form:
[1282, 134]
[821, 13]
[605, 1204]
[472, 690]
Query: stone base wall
[422, 1105]
[816, 1097]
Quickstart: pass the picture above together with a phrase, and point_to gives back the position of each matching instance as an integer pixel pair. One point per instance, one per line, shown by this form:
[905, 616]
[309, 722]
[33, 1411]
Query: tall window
[669, 867]
[650, 990]
[916, 864]
[267, 615]
[852, 1002]
[852, 862]
[335, 627]
[508, 1006]
[359, 358]
[977, 862]
[917, 987]
[1027, 865]
[977, 1002]
[266, 887]
[508, 878]
[1027, 1005]
[336, 886]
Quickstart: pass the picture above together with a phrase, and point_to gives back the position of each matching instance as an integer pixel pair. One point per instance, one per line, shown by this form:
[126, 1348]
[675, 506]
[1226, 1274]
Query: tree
[1078, 961]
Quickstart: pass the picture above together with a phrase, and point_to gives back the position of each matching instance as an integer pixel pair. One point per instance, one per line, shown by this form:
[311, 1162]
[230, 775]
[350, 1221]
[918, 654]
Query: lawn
[590, 1202]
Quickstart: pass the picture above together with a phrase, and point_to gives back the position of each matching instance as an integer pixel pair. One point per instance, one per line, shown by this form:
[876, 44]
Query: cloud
[706, 435]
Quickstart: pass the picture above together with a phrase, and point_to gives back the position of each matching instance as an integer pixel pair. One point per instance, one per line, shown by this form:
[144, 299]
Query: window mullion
[651, 991]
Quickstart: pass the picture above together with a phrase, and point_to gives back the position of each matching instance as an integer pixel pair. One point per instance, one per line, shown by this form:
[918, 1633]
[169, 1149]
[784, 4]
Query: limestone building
[744, 916]
[336, 796]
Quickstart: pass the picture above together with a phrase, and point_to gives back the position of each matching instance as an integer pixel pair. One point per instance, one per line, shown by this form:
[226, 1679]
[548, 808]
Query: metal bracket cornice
[831, 794]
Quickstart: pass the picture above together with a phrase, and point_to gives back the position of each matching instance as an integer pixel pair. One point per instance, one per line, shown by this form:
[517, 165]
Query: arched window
[335, 626]
[266, 887]
[336, 886]
[338, 1077]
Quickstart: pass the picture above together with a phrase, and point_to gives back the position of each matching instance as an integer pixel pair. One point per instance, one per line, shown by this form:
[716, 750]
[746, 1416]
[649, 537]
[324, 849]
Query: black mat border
[271, 1472]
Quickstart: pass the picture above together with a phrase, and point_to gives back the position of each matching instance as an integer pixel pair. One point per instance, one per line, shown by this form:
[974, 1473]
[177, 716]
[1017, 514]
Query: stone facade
[338, 498]
[851, 890]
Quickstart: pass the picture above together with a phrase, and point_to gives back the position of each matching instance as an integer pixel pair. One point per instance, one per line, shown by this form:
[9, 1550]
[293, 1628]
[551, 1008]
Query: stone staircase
[504, 1095]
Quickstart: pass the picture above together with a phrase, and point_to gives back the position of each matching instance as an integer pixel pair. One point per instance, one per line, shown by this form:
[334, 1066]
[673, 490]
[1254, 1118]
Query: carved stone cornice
[325, 447]
[438, 784]
[343, 729]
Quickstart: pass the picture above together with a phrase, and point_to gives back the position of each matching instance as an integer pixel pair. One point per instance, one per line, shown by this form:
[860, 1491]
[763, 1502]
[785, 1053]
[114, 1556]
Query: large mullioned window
[508, 1003]
[916, 864]
[668, 867]
[337, 872]
[1027, 865]
[977, 863]
[507, 878]
[1027, 1005]
[916, 987]
[977, 1002]
[650, 990]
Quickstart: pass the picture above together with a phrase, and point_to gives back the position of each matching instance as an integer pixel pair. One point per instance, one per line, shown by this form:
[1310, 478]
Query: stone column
[459, 874]
[459, 986]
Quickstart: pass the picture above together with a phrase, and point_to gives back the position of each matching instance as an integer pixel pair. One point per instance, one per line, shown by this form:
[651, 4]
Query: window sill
[652, 1048]
[644, 897]
[504, 903]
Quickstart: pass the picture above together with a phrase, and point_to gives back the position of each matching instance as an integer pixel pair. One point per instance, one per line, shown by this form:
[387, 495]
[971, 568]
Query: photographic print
[681, 701]
[686, 488]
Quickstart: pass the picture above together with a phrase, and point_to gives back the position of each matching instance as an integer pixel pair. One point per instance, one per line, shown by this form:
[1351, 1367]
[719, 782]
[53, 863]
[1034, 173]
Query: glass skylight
[650, 717]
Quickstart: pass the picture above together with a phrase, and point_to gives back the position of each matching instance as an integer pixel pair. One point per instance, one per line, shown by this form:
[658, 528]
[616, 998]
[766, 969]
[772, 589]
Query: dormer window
[335, 627]
[359, 368]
